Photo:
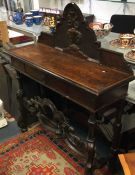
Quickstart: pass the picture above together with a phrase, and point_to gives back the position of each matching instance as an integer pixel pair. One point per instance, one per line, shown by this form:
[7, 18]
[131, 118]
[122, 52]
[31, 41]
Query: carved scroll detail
[74, 35]
[73, 30]
[53, 119]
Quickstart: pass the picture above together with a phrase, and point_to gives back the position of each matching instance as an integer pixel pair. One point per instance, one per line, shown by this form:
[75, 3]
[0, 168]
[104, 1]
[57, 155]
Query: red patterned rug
[39, 152]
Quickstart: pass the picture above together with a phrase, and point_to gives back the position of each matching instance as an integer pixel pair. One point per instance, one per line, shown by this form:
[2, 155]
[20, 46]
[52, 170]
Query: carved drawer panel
[34, 73]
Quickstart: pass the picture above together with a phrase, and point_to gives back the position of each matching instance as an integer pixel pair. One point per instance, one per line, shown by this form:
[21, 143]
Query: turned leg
[91, 145]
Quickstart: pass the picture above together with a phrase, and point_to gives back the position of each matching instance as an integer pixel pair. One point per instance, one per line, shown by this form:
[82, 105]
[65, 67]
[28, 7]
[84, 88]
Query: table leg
[91, 145]
[115, 148]
[22, 120]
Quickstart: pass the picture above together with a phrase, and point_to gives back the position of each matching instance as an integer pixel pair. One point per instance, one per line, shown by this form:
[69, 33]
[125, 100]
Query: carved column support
[51, 118]
[91, 145]
[27, 107]
[115, 148]
[86, 148]
[75, 142]
[22, 120]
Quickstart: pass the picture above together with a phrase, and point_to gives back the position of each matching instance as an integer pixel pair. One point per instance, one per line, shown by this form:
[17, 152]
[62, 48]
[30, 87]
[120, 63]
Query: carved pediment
[72, 30]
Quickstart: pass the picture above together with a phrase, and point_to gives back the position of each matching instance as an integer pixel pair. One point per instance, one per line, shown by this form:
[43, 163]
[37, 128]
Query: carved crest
[73, 15]
[73, 31]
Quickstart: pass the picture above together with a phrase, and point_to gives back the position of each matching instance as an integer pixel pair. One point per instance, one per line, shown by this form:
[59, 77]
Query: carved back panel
[73, 31]
[74, 37]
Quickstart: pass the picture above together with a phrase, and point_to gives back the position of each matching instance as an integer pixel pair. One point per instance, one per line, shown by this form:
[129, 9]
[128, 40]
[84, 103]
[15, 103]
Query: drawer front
[17, 64]
[34, 73]
[71, 91]
[56, 84]
[82, 97]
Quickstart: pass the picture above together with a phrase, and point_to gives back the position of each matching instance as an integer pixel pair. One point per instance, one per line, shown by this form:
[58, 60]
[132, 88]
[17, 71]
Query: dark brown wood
[82, 73]
[87, 83]
[47, 38]
[116, 137]
[91, 76]
[114, 60]
[72, 13]
[73, 30]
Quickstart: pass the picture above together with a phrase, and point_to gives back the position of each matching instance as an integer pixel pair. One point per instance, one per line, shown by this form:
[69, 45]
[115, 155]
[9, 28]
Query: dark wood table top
[91, 76]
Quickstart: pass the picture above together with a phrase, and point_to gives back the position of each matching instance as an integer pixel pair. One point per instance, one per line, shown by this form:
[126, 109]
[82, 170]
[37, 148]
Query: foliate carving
[73, 15]
[56, 121]
[74, 36]
[31, 105]
[73, 49]
[53, 119]
[81, 146]
[73, 30]
[72, 19]
[19, 93]
[46, 112]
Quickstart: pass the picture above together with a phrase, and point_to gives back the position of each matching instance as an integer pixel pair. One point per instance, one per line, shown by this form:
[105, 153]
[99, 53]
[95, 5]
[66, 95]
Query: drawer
[70, 91]
[34, 73]
[55, 83]
[17, 64]
[82, 97]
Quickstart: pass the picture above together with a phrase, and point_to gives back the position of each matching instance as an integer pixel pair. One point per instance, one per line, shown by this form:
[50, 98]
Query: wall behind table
[101, 9]
[104, 10]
